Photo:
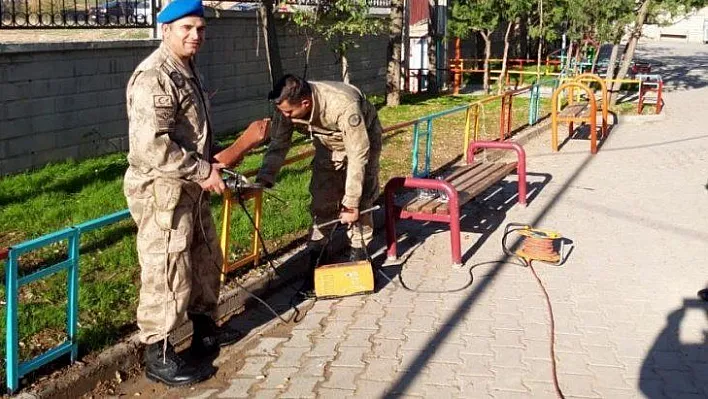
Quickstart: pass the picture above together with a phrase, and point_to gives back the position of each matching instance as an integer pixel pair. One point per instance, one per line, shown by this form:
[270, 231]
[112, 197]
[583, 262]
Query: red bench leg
[390, 213]
[454, 207]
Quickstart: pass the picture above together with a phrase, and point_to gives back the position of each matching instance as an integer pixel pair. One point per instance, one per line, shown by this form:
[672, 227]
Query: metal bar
[12, 377]
[103, 221]
[428, 147]
[468, 125]
[38, 242]
[257, 210]
[414, 162]
[72, 306]
[48, 271]
[44, 358]
[520, 157]
[240, 263]
[225, 238]
[335, 221]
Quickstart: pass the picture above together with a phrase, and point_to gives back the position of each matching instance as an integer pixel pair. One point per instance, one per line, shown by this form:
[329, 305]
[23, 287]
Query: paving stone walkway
[628, 322]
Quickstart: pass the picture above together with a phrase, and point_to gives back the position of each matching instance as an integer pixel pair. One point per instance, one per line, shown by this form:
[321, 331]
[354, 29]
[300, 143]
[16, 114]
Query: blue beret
[177, 9]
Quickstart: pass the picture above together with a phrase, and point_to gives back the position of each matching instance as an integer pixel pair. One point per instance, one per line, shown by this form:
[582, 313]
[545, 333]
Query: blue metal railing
[14, 368]
[534, 102]
[429, 139]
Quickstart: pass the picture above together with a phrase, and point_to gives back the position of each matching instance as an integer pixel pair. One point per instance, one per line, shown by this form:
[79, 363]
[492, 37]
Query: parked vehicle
[122, 12]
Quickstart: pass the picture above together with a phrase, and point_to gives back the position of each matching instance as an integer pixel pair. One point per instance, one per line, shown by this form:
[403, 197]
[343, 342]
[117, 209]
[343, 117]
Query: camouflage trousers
[327, 189]
[180, 260]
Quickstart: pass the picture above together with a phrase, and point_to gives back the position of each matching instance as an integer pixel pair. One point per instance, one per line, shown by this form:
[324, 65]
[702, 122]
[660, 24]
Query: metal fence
[103, 14]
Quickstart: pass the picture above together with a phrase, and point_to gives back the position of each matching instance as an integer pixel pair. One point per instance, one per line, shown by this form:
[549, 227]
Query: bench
[460, 185]
[575, 112]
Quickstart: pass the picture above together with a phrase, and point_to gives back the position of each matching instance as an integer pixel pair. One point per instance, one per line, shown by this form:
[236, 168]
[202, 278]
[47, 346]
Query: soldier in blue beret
[170, 175]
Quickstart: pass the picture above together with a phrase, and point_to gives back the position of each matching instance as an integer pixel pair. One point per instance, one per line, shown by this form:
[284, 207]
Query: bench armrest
[504, 145]
[415, 182]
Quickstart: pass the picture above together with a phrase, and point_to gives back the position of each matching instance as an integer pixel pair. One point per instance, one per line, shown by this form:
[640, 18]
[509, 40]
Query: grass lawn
[60, 195]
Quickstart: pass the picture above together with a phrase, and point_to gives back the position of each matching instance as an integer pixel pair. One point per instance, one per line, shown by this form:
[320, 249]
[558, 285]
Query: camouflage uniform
[170, 152]
[346, 133]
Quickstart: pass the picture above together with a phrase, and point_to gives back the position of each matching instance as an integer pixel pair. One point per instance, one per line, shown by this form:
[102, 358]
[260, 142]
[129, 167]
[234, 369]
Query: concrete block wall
[67, 100]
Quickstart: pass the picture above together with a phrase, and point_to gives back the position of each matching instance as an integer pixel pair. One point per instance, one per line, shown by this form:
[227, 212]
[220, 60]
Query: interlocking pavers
[626, 325]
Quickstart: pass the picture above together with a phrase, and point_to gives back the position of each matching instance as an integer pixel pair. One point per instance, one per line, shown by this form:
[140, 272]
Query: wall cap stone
[15, 48]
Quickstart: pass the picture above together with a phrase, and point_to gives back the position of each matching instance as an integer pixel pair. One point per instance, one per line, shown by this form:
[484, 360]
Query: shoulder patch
[177, 78]
[354, 120]
[162, 101]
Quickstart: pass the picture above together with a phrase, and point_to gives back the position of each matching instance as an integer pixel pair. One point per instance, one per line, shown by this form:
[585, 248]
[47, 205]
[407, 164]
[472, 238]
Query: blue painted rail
[429, 138]
[14, 368]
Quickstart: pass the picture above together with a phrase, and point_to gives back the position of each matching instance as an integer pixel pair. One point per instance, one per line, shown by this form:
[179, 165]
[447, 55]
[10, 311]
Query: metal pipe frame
[590, 77]
[14, 368]
[591, 118]
[225, 239]
[520, 161]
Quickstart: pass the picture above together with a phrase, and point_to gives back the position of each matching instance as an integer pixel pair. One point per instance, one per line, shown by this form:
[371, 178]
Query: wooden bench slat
[418, 203]
[492, 179]
[476, 168]
[480, 177]
[574, 110]
[460, 170]
[469, 181]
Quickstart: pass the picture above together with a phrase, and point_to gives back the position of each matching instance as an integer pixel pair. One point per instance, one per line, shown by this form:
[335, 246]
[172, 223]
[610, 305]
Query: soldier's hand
[214, 183]
[349, 215]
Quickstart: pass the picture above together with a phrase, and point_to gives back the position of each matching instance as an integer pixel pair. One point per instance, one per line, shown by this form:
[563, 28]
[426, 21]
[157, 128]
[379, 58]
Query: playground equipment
[574, 112]
[604, 100]
[651, 88]
[458, 187]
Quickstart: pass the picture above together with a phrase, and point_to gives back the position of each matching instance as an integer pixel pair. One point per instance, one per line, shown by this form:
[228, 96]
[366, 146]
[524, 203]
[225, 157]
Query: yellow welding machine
[343, 279]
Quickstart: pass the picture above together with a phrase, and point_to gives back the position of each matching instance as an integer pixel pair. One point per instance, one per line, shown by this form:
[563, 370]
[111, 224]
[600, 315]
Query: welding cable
[296, 316]
[221, 272]
[554, 365]
[528, 263]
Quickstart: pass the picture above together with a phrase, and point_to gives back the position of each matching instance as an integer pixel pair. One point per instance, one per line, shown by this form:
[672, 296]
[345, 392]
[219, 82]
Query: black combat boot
[171, 369]
[307, 290]
[207, 337]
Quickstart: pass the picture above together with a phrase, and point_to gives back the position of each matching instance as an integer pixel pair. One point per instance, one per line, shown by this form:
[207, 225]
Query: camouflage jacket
[169, 128]
[341, 125]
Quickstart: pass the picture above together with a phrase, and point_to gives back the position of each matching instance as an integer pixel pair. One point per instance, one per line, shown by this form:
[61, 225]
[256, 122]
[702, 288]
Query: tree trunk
[631, 47]
[433, 47]
[595, 57]
[395, 38]
[345, 68]
[487, 56]
[275, 65]
[502, 76]
[611, 64]
[540, 41]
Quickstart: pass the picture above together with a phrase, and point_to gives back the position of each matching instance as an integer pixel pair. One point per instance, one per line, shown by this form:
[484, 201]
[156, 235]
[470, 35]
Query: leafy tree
[513, 11]
[645, 9]
[482, 16]
[338, 22]
[546, 25]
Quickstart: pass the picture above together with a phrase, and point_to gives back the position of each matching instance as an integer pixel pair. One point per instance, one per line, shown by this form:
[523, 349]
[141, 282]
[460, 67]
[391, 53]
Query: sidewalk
[628, 323]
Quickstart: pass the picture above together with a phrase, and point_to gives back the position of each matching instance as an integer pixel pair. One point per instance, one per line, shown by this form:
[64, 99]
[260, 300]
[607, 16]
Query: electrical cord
[221, 272]
[296, 316]
[528, 263]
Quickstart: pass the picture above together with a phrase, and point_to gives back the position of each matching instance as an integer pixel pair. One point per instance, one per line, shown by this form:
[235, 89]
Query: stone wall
[67, 100]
